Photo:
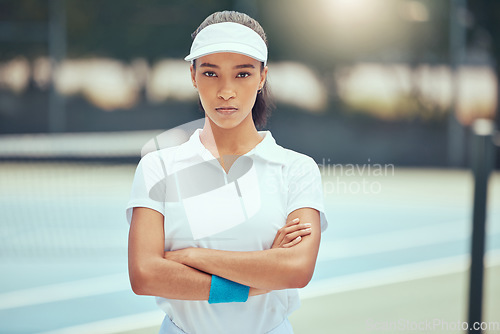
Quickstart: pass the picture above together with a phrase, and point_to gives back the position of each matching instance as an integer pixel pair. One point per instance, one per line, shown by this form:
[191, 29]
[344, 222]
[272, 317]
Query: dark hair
[263, 103]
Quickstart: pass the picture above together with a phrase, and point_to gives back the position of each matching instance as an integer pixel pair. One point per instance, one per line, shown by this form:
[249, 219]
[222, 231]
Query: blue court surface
[63, 249]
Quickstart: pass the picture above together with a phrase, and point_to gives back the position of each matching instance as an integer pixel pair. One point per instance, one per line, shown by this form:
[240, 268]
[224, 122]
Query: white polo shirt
[242, 210]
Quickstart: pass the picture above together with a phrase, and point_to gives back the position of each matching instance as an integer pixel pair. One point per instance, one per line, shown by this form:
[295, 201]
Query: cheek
[250, 87]
[205, 88]
[250, 97]
[249, 91]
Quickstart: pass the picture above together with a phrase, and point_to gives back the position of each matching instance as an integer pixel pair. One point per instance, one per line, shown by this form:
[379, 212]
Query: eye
[243, 75]
[209, 74]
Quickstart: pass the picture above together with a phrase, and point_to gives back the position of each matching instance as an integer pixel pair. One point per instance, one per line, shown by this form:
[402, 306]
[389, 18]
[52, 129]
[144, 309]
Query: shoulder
[304, 167]
[287, 157]
[171, 159]
[297, 157]
[155, 159]
[296, 164]
[293, 159]
[168, 154]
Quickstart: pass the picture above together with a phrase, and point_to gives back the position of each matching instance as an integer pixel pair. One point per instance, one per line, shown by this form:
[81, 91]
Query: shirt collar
[267, 149]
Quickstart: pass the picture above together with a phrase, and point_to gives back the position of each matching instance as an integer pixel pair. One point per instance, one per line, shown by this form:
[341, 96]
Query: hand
[291, 234]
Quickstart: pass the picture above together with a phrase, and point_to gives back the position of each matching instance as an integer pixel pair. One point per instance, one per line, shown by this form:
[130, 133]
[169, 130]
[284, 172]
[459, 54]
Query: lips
[226, 110]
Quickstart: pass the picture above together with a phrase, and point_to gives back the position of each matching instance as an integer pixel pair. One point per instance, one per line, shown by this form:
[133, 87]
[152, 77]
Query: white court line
[64, 291]
[398, 240]
[374, 278]
[115, 325]
[396, 274]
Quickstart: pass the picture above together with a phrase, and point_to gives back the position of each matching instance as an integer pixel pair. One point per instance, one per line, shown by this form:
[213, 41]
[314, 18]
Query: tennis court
[397, 251]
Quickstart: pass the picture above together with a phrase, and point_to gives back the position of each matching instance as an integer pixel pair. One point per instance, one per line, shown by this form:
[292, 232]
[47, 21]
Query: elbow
[137, 283]
[299, 281]
[140, 277]
[137, 287]
[300, 276]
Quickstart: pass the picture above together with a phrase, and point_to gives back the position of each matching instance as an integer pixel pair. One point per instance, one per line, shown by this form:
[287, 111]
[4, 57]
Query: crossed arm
[186, 273]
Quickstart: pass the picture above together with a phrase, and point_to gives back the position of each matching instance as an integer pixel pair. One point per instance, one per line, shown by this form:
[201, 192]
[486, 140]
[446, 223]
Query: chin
[226, 124]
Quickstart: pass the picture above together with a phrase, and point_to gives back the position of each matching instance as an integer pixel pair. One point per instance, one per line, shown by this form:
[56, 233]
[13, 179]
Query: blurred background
[388, 97]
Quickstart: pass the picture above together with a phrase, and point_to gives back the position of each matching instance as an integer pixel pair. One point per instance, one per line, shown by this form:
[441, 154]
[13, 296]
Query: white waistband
[168, 327]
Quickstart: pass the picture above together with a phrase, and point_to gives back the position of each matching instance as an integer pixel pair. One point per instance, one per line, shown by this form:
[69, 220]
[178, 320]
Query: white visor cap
[228, 37]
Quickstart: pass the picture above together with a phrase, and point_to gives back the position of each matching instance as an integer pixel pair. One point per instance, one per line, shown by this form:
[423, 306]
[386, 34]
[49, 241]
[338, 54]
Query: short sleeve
[149, 172]
[305, 188]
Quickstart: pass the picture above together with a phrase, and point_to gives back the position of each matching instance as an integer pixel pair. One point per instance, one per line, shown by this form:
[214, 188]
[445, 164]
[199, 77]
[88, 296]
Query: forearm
[271, 269]
[169, 279]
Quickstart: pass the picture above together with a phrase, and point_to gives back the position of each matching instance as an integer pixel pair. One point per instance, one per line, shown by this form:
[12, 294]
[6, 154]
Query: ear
[263, 76]
[193, 75]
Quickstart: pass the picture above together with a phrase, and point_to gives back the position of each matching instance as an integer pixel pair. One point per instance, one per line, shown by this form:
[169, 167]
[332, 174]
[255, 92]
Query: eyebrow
[237, 66]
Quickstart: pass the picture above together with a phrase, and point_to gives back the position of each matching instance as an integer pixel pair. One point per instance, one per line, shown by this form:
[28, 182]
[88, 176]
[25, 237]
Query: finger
[279, 237]
[293, 222]
[291, 236]
[297, 227]
[293, 242]
[282, 231]
[278, 240]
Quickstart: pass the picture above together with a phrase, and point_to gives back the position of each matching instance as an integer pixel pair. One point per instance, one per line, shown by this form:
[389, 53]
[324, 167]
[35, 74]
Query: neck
[234, 141]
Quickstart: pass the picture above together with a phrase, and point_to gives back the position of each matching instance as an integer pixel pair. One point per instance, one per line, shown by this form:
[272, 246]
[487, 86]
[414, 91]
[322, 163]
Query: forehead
[227, 59]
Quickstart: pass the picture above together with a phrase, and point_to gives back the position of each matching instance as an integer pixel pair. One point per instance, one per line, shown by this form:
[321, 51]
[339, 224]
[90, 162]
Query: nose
[226, 91]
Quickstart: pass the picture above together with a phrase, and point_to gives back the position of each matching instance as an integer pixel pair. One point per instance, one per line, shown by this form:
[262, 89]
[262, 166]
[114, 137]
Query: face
[227, 84]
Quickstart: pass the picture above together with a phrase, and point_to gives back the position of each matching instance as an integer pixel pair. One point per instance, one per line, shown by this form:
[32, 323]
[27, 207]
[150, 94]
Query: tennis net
[62, 196]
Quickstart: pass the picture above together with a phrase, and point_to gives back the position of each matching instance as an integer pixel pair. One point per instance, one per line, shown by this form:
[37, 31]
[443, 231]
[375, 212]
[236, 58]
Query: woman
[225, 227]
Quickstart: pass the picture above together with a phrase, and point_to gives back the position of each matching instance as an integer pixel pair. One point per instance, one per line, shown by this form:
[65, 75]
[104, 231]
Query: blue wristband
[226, 291]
